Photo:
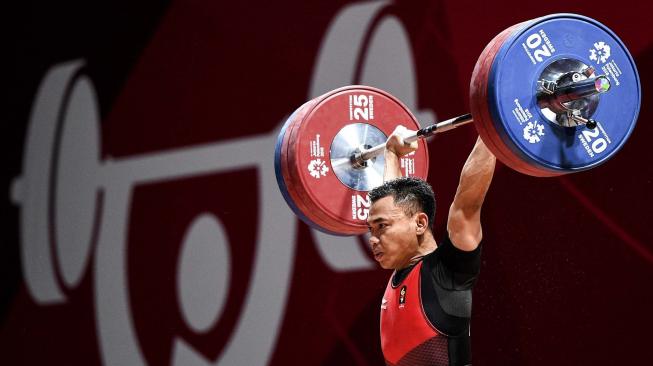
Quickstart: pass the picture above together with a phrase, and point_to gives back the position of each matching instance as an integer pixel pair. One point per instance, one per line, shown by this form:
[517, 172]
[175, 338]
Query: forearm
[475, 179]
[392, 166]
[395, 148]
[464, 223]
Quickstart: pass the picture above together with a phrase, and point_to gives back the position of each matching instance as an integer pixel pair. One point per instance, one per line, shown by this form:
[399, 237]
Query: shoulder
[452, 250]
[453, 259]
[448, 247]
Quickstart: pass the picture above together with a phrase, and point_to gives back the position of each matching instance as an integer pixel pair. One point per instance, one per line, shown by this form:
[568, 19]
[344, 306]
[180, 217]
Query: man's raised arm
[464, 223]
[395, 148]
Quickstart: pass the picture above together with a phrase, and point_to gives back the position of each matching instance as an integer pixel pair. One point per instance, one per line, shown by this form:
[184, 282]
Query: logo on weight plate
[318, 168]
[533, 131]
[600, 53]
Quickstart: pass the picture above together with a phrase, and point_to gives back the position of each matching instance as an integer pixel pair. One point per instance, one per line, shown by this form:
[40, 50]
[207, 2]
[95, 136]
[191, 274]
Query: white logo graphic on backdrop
[90, 208]
[533, 131]
[91, 203]
[204, 271]
[600, 53]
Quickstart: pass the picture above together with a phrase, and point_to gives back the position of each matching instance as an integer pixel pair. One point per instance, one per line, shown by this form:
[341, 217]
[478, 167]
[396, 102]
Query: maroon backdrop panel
[188, 253]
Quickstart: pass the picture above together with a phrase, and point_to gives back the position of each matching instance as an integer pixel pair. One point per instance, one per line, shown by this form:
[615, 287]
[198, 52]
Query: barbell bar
[549, 96]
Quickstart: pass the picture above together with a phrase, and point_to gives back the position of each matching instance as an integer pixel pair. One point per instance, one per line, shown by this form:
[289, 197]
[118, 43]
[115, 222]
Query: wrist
[390, 153]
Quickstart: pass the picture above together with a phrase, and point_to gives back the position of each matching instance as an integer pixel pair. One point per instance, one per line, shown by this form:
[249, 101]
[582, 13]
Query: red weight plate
[316, 207]
[305, 202]
[481, 112]
[478, 94]
[324, 197]
[294, 185]
[294, 190]
[301, 199]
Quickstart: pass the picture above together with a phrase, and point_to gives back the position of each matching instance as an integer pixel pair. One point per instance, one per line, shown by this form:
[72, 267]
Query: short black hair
[410, 193]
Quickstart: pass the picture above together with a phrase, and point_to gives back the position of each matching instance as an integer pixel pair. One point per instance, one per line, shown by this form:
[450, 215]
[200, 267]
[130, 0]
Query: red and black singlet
[406, 332]
[426, 309]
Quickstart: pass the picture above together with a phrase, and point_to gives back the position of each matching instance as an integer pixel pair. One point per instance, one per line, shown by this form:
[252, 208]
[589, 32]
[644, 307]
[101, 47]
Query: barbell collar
[582, 89]
[590, 123]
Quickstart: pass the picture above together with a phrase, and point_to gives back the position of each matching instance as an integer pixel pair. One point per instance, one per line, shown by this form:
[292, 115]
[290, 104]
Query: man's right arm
[395, 148]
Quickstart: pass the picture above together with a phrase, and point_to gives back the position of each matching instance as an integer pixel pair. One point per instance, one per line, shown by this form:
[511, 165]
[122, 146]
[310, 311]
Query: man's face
[393, 237]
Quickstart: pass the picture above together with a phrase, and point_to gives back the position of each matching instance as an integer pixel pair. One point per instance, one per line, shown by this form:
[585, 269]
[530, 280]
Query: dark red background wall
[567, 262]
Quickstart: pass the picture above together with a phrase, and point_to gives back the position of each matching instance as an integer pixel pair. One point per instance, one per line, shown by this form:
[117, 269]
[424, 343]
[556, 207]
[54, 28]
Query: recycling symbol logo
[318, 168]
[600, 53]
[533, 131]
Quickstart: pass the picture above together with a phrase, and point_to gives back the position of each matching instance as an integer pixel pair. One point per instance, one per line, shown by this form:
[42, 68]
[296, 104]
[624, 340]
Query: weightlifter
[426, 308]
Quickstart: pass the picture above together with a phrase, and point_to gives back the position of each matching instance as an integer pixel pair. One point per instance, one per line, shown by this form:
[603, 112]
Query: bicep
[464, 226]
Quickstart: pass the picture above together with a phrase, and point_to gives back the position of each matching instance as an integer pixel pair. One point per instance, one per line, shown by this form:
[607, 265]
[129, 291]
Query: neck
[425, 245]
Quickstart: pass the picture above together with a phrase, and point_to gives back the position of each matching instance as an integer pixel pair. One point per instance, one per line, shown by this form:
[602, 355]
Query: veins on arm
[464, 222]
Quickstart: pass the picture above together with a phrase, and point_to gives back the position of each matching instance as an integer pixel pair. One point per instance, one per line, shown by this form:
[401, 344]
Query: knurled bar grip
[421, 133]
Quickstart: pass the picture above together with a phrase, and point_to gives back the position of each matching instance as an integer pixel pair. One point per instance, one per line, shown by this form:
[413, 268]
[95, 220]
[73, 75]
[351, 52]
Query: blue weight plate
[512, 96]
[281, 182]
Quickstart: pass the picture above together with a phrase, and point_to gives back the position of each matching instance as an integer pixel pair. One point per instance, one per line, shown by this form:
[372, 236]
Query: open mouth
[378, 255]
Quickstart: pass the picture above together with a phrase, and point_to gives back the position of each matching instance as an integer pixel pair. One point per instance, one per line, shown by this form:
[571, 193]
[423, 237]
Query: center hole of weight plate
[350, 140]
[565, 89]
[357, 163]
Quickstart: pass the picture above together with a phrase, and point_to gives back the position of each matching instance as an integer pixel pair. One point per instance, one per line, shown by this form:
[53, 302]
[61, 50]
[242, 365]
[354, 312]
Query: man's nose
[373, 241]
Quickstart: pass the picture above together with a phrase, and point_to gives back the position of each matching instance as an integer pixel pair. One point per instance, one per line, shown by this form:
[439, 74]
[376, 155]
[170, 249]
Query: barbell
[549, 96]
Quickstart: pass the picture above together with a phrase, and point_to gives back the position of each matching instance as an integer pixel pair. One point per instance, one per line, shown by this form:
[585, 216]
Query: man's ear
[422, 222]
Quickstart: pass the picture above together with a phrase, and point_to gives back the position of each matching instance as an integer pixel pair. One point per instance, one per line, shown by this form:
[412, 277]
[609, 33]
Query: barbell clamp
[590, 123]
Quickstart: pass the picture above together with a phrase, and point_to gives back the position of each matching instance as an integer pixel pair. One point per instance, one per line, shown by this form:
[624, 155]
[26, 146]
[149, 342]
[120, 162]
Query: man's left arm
[464, 222]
